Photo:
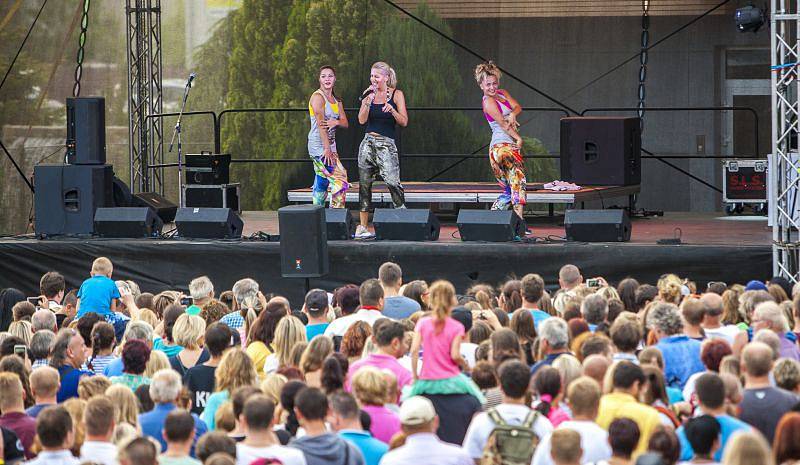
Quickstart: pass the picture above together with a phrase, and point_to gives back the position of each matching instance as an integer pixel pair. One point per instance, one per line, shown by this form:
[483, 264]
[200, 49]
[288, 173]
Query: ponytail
[547, 384]
[442, 294]
[389, 72]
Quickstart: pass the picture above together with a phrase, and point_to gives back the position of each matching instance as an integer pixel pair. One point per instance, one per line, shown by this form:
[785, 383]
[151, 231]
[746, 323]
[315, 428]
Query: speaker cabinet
[601, 151]
[405, 224]
[597, 225]
[208, 223]
[67, 197]
[129, 222]
[490, 225]
[164, 208]
[304, 241]
[340, 224]
[86, 130]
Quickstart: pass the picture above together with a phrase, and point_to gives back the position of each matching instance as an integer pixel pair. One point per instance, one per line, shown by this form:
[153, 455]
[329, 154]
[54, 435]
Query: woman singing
[501, 112]
[325, 117]
[383, 106]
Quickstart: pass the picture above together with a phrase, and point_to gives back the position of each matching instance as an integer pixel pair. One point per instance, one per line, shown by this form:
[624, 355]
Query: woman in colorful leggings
[325, 118]
[501, 112]
[383, 107]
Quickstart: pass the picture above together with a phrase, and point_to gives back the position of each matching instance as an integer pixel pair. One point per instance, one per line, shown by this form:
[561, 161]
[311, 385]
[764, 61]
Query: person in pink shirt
[388, 336]
[439, 336]
[369, 387]
[547, 385]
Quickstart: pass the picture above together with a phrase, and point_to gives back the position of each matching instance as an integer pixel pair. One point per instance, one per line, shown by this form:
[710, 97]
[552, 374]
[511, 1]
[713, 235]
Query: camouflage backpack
[510, 445]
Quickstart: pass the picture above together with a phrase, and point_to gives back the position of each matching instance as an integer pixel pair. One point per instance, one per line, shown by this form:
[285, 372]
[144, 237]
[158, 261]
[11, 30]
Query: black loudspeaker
[597, 225]
[121, 193]
[405, 224]
[130, 222]
[304, 241]
[209, 223]
[67, 196]
[340, 224]
[164, 208]
[86, 130]
[601, 151]
[490, 225]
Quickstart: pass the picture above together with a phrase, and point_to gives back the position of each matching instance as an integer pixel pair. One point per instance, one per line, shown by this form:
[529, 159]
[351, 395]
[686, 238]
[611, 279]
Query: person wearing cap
[755, 285]
[419, 422]
[316, 308]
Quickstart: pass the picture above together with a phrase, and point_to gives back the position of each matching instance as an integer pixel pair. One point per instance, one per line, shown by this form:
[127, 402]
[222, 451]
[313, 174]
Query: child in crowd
[439, 336]
[99, 293]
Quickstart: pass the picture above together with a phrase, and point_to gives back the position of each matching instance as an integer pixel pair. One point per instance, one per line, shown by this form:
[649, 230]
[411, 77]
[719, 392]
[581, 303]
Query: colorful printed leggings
[377, 155]
[508, 167]
[333, 177]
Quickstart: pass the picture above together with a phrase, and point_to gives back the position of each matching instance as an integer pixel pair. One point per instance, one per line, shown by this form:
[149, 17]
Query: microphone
[366, 93]
[191, 78]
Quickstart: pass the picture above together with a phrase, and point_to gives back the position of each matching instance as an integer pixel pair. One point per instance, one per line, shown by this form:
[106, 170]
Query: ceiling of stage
[561, 8]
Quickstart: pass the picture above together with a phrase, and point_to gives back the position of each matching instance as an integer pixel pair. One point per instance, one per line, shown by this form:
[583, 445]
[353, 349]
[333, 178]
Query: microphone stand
[177, 132]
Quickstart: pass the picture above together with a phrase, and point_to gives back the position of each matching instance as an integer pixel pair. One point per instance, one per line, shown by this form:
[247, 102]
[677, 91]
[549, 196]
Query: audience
[319, 446]
[100, 424]
[345, 419]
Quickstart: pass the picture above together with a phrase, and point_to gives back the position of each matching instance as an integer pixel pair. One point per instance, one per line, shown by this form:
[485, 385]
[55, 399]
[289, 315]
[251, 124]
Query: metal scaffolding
[146, 148]
[785, 31]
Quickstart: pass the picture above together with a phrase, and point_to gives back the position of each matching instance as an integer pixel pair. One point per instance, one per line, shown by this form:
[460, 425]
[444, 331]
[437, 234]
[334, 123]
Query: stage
[715, 248]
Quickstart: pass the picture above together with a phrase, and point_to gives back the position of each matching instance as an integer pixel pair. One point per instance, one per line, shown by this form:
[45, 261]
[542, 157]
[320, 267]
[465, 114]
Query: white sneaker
[363, 233]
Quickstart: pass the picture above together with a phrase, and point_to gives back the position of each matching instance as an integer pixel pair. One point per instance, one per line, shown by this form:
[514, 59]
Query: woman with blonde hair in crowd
[383, 107]
[127, 407]
[505, 149]
[669, 289]
[369, 387]
[288, 333]
[234, 371]
[189, 332]
[90, 386]
[730, 305]
[149, 317]
[75, 407]
[747, 448]
[311, 361]
[158, 361]
[23, 330]
[272, 385]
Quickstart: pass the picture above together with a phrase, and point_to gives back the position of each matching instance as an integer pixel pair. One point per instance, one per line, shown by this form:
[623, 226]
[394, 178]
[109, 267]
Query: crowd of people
[401, 373]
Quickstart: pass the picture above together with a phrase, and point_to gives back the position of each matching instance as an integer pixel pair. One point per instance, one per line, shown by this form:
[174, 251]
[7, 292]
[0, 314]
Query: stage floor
[715, 248]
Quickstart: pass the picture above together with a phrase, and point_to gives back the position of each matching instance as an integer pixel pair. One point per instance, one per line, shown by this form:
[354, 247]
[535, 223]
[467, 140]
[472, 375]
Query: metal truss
[145, 98]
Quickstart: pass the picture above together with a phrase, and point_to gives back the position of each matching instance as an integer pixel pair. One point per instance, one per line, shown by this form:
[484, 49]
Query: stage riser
[157, 266]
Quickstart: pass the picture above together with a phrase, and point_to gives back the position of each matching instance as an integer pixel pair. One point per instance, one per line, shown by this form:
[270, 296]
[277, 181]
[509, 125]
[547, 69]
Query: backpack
[510, 445]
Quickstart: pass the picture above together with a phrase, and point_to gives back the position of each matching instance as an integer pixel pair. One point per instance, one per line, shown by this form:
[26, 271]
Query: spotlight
[750, 18]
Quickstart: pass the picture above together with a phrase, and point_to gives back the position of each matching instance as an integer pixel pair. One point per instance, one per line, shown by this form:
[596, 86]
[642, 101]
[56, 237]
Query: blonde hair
[669, 288]
[234, 371]
[289, 331]
[569, 367]
[315, 354]
[123, 398]
[11, 388]
[370, 386]
[158, 361]
[484, 70]
[441, 294]
[745, 448]
[23, 330]
[76, 407]
[272, 385]
[388, 71]
[149, 317]
[188, 330]
[608, 293]
[102, 266]
[224, 418]
[90, 386]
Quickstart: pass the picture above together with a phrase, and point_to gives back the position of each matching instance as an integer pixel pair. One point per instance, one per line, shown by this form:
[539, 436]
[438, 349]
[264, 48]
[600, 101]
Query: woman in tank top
[505, 157]
[383, 107]
[325, 115]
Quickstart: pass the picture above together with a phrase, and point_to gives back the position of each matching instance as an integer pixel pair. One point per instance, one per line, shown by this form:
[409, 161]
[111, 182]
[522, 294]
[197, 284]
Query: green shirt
[132, 381]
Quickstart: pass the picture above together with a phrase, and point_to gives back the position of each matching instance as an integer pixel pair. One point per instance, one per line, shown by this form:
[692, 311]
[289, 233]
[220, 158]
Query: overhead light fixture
[750, 18]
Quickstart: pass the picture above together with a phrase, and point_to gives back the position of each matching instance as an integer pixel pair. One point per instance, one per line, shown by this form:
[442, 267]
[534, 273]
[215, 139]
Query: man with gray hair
[41, 344]
[594, 309]
[138, 329]
[247, 297]
[768, 315]
[202, 291]
[553, 340]
[165, 387]
[681, 353]
[569, 277]
[44, 319]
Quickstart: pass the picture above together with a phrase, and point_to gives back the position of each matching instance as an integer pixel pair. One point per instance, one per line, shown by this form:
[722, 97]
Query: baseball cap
[463, 316]
[316, 300]
[416, 411]
[755, 285]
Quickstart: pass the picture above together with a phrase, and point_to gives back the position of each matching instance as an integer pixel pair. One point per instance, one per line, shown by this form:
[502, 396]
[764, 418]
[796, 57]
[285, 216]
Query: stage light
[750, 18]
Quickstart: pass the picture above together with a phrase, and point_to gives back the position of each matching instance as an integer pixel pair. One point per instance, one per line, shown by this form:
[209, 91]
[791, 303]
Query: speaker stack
[304, 241]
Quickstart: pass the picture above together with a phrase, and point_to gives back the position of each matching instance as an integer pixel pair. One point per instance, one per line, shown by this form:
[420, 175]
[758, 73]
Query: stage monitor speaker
[304, 241]
[164, 208]
[86, 130]
[208, 223]
[340, 224]
[597, 225]
[490, 225]
[601, 151]
[128, 222]
[405, 224]
[67, 197]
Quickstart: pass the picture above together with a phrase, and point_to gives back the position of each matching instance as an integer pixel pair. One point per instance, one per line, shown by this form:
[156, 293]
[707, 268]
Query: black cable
[28, 34]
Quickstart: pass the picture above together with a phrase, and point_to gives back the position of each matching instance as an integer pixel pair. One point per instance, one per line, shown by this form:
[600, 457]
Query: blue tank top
[381, 122]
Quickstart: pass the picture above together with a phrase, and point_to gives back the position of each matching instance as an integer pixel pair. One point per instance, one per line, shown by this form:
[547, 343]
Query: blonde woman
[669, 289]
[90, 386]
[188, 332]
[23, 330]
[369, 387]
[311, 361]
[289, 332]
[158, 361]
[234, 371]
[75, 407]
[383, 108]
[505, 156]
[747, 448]
[124, 399]
[272, 385]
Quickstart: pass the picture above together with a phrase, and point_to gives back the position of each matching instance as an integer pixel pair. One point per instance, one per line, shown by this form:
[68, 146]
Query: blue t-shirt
[371, 448]
[399, 307]
[315, 330]
[538, 317]
[70, 377]
[34, 410]
[152, 424]
[114, 368]
[727, 424]
[96, 294]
